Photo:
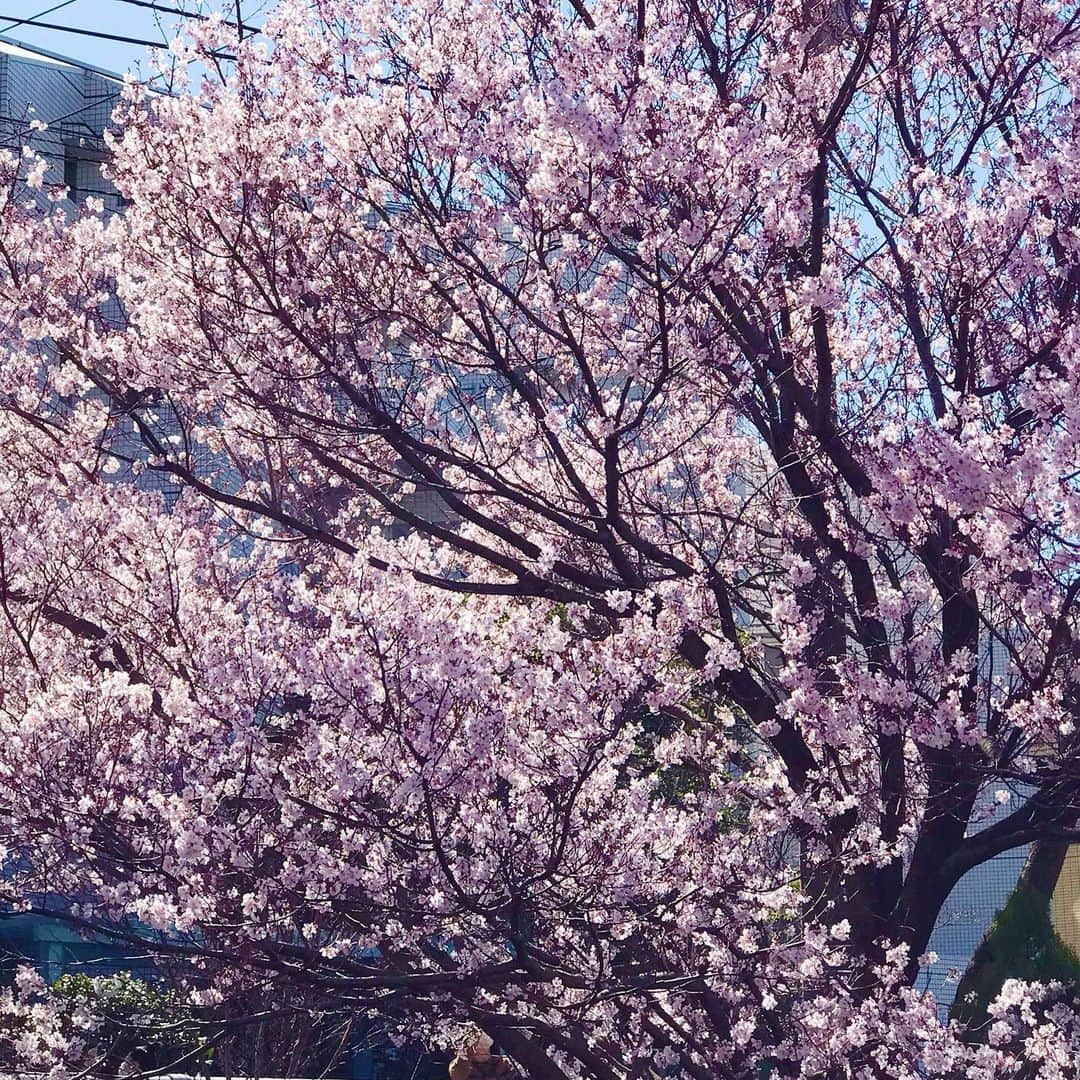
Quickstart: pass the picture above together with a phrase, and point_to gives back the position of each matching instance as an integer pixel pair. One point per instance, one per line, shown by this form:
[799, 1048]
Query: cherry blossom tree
[621, 533]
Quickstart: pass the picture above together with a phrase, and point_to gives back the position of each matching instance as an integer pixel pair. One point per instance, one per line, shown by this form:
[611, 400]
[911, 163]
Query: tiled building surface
[74, 101]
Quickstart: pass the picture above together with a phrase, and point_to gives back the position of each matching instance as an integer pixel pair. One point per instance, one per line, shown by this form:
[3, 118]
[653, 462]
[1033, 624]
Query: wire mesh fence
[964, 920]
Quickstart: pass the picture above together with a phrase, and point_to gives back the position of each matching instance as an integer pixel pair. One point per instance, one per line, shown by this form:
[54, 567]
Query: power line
[48, 11]
[178, 11]
[107, 37]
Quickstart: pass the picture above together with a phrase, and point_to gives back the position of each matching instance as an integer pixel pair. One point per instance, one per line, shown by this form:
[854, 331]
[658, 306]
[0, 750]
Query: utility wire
[177, 11]
[107, 37]
[152, 5]
[48, 11]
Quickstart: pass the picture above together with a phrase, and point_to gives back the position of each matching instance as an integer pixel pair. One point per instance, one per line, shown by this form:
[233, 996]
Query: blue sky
[118, 17]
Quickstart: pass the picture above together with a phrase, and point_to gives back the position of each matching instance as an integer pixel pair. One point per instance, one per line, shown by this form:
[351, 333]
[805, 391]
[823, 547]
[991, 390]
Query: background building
[75, 101]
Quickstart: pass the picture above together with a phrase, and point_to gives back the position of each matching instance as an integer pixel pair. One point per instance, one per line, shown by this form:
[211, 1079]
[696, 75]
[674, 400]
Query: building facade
[75, 101]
